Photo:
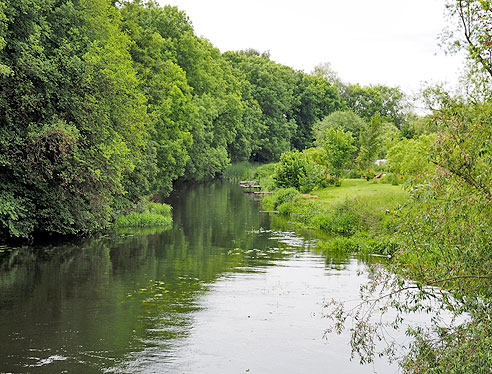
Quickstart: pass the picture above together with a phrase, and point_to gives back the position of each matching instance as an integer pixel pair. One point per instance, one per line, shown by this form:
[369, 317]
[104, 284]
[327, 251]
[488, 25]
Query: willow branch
[467, 178]
[473, 47]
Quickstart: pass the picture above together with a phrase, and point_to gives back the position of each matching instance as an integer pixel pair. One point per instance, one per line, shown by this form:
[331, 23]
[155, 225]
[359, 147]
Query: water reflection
[224, 290]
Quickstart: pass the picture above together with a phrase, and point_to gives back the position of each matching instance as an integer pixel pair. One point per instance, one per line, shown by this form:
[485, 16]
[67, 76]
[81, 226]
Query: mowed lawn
[377, 195]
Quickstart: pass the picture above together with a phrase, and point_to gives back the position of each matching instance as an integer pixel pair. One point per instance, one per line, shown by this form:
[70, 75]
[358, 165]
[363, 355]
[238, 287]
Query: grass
[153, 214]
[380, 194]
[242, 171]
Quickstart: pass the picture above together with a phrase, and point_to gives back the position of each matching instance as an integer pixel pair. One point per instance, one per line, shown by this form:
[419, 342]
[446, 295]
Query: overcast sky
[392, 42]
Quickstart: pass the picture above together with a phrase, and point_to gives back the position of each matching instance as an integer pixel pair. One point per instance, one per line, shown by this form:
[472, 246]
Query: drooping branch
[458, 277]
[427, 283]
[468, 36]
[467, 178]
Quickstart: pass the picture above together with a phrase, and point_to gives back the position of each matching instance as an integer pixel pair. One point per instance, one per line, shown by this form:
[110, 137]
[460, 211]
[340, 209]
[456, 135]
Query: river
[227, 289]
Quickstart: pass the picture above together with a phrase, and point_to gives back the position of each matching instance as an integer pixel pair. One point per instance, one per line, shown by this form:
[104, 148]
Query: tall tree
[315, 98]
[370, 141]
[337, 148]
[471, 30]
[272, 87]
[388, 102]
[164, 83]
[73, 124]
[345, 120]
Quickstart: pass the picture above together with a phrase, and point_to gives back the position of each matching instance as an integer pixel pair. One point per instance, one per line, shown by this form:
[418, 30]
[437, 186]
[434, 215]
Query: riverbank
[358, 215]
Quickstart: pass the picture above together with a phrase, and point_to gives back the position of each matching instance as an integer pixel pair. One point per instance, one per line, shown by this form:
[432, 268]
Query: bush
[157, 208]
[264, 174]
[341, 221]
[284, 195]
[360, 243]
[352, 174]
[285, 208]
[392, 179]
[298, 171]
[281, 200]
[351, 216]
[142, 219]
[410, 156]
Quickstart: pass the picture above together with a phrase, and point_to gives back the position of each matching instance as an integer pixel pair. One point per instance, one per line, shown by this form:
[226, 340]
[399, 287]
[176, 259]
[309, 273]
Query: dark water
[226, 290]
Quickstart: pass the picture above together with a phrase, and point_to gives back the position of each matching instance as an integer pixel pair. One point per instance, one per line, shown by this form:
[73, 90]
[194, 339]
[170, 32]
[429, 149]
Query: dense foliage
[297, 170]
[74, 126]
[103, 105]
[106, 104]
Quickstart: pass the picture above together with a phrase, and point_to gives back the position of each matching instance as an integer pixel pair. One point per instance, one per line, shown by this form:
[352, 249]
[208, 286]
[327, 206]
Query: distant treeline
[104, 104]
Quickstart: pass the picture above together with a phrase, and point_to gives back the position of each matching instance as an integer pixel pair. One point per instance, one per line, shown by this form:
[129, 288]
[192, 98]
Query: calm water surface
[225, 290]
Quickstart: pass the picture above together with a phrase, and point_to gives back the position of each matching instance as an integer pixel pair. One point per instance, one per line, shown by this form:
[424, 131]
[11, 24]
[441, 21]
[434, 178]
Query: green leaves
[389, 103]
[297, 170]
[337, 149]
[272, 89]
[410, 157]
[74, 120]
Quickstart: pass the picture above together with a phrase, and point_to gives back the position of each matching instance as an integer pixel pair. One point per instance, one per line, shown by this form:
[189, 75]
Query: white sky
[392, 42]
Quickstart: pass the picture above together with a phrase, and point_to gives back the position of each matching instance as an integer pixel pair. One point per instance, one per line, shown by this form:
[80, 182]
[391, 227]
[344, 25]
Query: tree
[272, 87]
[370, 143]
[316, 97]
[168, 94]
[218, 99]
[390, 136]
[410, 157]
[346, 120]
[387, 102]
[194, 95]
[471, 30]
[324, 70]
[337, 149]
[73, 120]
[297, 170]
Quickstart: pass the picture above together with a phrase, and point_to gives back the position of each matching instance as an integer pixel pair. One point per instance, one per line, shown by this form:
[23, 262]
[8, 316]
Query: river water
[226, 290]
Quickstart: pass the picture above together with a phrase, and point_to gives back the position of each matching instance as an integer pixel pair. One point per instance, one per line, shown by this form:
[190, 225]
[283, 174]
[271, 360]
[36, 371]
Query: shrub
[352, 174]
[341, 221]
[281, 200]
[410, 156]
[265, 171]
[284, 195]
[142, 219]
[298, 171]
[157, 208]
[392, 179]
[360, 243]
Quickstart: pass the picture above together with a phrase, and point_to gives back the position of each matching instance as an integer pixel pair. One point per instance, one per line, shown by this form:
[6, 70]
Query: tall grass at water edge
[242, 171]
[153, 214]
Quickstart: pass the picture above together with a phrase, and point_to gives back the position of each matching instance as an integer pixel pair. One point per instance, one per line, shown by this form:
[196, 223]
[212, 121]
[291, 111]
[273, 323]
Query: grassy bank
[358, 215]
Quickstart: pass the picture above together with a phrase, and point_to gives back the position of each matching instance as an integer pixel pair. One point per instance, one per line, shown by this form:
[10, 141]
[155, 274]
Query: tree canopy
[107, 104]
